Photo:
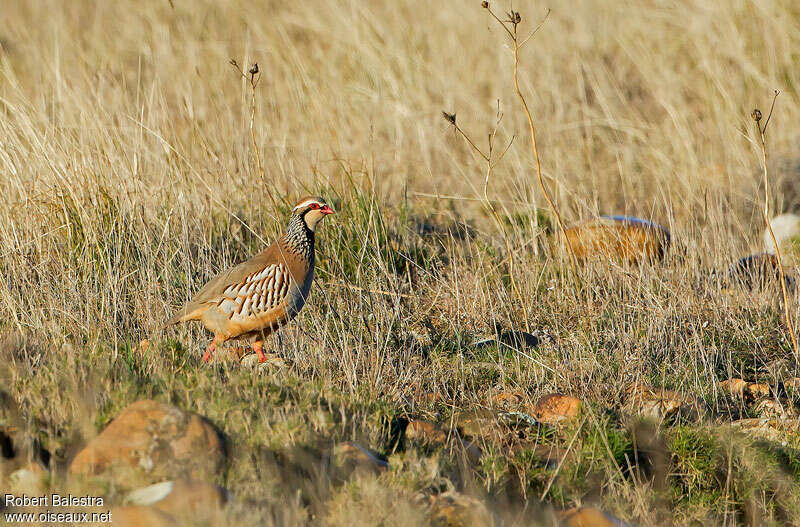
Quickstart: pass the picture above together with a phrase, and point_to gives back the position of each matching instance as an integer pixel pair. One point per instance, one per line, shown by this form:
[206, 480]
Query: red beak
[326, 210]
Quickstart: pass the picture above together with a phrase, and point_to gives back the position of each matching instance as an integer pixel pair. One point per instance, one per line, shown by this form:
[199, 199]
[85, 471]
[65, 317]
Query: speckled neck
[300, 238]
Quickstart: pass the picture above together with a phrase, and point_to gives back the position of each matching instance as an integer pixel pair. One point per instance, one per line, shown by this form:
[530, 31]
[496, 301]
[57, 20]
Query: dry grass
[128, 177]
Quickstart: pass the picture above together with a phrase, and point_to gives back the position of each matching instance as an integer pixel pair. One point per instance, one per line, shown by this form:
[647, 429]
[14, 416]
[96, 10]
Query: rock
[180, 498]
[518, 340]
[589, 517]
[766, 428]
[660, 403]
[555, 408]
[9, 417]
[30, 479]
[771, 408]
[457, 510]
[734, 386]
[476, 423]
[426, 432]
[509, 400]
[431, 434]
[483, 423]
[618, 237]
[141, 516]
[741, 388]
[756, 271]
[757, 390]
[273, 361]
[157, 439]
[352, 457]
[517, 420]
[18, 451]
[786, 228]
[522, 339]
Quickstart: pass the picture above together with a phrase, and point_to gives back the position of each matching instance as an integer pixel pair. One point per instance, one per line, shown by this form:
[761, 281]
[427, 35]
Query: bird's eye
[314, 205]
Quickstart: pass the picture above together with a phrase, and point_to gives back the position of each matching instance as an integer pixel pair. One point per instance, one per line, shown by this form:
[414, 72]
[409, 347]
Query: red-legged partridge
[257, 297]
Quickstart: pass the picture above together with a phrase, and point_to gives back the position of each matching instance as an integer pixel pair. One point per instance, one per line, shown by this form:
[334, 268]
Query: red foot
[258, 347]
[210, 350]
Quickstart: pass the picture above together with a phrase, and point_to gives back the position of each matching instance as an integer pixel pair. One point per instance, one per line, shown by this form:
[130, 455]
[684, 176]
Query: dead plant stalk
[451, 118]
[514, 19]
[762, 131]
[253, 80]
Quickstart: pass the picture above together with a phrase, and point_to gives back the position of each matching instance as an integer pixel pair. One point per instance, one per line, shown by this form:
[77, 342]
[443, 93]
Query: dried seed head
[253, 69]
[234, 63]
[756, 115]
[449, 117]
[485, 5]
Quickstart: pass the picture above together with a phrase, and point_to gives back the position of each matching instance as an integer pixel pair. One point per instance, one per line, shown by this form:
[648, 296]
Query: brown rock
[425, 432]
[476, 423]
[457, 510]
[771, 429]
[141, 516]
[555, 408]
[757, 390]
[659, 403]
[589, 517]
[157, 439]
[509, 400]
[352, 456]
[741, 388]
[735, 386]
[618, 237]
[197, 499]
[772, 409]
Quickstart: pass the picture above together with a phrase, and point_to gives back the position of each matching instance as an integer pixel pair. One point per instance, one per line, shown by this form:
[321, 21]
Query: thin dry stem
[514, 19]
[786, 307]
[253, 80]
[451, 118]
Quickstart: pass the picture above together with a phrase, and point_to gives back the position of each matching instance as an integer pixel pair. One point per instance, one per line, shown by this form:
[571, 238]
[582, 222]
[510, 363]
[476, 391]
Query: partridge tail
[177, 319]
[186, 313]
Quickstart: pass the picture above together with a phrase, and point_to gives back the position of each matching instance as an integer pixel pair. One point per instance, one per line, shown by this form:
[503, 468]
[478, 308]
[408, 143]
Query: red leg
[258, 347]
[211, 348]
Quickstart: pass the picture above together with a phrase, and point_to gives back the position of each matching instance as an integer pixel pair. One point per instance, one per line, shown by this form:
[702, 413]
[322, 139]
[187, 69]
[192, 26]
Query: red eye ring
[314, 205]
